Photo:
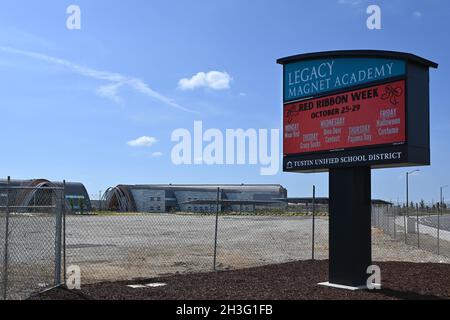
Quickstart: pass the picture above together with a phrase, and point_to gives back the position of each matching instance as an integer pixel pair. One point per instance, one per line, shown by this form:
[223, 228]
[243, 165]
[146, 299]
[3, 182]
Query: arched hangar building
[35, 192]
[194, 198]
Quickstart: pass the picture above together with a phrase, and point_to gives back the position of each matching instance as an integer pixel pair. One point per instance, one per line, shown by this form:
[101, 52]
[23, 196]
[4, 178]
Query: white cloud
[110, 91]
[417, 14]
[350, 2]
[214, 80]
[157, 154]
[116, 80]
[142, 142]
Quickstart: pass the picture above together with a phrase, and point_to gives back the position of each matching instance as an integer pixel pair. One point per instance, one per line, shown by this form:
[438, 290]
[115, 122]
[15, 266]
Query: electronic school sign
[347, 112]
[308, 78]
[355, 108]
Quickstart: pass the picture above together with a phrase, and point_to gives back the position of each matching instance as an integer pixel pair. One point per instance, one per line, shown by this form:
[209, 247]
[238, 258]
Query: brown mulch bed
[289, 281]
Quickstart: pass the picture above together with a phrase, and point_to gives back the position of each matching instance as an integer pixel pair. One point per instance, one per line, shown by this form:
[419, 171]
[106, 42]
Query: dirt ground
[126, 247]
[111, 248]
[289, 281]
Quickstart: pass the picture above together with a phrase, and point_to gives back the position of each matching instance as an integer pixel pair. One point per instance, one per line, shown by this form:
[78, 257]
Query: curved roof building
[193, 198]
[25, 193]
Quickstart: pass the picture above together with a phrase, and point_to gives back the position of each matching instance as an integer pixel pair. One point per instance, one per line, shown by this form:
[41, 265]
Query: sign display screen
[365, 117]
[308, 79]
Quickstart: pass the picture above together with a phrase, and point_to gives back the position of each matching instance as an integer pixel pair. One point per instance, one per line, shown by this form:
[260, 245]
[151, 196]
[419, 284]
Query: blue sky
[63, 118]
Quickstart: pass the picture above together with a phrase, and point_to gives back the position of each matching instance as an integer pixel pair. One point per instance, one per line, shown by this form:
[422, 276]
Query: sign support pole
[350, 226]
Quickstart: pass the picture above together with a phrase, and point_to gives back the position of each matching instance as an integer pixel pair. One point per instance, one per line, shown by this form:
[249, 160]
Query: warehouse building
[194, 198]
[34, 193]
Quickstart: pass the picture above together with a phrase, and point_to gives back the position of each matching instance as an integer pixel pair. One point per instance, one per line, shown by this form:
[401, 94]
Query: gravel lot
[124, 247]
[127, 247]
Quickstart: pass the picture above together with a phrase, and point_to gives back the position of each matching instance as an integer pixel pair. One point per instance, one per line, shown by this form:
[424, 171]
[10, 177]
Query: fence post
[380, 219]
[389, 219]
[58, 239]
[313, 222]
[64, 230]
[418, 228]
[439, 230]
[216, 229]
[405, 228]
[6, 253]
[395, 222]
[100, 200]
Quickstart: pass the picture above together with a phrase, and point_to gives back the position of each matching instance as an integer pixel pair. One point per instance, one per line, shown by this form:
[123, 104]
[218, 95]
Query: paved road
[433, 222]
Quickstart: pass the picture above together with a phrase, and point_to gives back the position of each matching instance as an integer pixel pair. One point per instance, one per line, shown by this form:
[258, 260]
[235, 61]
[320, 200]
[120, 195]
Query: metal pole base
[350, 238]
[340, 286]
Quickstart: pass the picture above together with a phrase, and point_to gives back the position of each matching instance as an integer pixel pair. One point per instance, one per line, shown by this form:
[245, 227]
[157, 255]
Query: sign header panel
[365, 117]
[310, 78]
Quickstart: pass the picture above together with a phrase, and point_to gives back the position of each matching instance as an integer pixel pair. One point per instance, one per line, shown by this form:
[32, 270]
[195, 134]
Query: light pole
[439, 219]
[407, 202]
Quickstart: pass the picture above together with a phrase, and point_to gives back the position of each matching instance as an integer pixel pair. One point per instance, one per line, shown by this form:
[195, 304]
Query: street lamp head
[411, 172]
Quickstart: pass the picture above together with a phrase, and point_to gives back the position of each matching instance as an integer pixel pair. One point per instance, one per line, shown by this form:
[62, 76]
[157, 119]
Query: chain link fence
[118, 246]
[425, 230]
[30, 243]
[126, 246]
[38, 240]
